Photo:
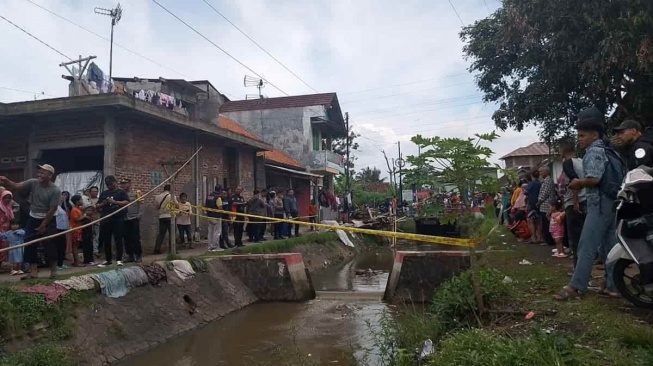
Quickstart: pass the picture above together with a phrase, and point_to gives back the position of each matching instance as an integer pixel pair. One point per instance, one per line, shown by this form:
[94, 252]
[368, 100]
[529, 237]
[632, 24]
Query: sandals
[567, 293]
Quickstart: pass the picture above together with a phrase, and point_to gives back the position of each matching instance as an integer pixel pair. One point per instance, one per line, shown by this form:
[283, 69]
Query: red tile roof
[234, 127]
[282, 102]
[279, 157]
[534, 149]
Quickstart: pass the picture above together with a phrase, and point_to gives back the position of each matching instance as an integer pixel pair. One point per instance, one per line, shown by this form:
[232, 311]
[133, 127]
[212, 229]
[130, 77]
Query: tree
[369, 175]
[339, 146]
[544, 60]
[458, 161]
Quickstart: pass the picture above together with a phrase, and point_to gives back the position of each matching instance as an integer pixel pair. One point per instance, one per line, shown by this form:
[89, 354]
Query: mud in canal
[324, 332]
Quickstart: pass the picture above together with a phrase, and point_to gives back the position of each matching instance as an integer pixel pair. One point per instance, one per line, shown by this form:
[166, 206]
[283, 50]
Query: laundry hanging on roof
[135, 276]
[96, 75]
[155, 273]
[79, 283]
[52, 292]
[113, 283]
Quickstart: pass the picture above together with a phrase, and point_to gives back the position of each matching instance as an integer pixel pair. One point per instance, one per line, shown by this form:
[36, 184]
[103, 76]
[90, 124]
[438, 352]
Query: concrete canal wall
[416, 276]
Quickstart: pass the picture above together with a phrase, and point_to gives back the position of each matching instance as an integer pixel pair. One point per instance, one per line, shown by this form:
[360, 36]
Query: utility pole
[400, 164]
[347, 170]
[116, 15]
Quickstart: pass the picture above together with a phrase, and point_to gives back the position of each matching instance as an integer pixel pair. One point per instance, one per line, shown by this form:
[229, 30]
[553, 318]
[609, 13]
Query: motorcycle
[633, 254]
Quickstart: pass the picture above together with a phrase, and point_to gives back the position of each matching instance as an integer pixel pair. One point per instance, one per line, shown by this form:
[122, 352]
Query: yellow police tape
[390, 234]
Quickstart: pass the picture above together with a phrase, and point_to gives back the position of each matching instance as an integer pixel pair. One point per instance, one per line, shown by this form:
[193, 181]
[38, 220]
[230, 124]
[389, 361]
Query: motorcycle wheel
[628, 284]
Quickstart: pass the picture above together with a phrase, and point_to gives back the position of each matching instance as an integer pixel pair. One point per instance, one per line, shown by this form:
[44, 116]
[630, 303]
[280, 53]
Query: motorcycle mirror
[640, 153]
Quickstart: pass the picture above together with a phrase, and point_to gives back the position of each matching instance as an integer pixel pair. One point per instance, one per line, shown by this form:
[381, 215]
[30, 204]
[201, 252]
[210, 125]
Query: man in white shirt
[161, 201]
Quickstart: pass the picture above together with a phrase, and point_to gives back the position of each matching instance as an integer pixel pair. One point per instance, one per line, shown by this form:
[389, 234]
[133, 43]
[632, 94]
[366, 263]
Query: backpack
[613, 176]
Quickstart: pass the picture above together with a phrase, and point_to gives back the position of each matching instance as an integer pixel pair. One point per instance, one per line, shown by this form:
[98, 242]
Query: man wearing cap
[639, 143]
[45, 197]
[113, 219]
[132, 229]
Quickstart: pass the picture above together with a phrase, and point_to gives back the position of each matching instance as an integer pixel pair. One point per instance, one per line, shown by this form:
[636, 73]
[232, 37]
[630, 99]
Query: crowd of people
[575, 213]
[114, 233]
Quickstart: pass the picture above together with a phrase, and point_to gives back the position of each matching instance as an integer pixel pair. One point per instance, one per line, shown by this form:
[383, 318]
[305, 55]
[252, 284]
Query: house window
[317, 140]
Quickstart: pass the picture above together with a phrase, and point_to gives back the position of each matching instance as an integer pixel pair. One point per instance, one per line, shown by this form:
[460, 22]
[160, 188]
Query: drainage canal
[333, 329]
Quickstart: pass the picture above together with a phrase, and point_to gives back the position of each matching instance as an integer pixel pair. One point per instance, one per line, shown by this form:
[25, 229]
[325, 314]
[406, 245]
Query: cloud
[408, 52]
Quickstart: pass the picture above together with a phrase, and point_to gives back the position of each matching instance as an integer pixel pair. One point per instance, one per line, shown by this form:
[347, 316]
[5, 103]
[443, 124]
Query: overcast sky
[397, 67]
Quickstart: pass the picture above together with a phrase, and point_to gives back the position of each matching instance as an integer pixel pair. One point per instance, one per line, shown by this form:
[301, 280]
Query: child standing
[312, 214]
[557, 228]
[183, 220]
[15, 236]
[76, 217]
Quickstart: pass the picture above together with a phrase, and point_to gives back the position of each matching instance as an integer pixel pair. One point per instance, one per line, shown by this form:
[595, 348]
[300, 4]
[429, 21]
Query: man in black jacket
[639, 143]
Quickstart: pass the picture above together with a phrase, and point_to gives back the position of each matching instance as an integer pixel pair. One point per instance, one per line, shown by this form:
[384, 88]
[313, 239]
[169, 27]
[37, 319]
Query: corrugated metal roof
[274, 103]
[534, 149]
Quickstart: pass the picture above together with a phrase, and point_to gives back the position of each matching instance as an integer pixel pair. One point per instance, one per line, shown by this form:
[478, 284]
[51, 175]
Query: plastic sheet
[77, 182]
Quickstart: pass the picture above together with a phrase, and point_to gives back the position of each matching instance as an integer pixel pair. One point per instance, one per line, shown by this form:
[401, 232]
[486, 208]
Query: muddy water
[329, 332]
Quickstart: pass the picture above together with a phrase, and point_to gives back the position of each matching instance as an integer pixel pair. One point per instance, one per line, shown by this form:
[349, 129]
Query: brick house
[121, 135]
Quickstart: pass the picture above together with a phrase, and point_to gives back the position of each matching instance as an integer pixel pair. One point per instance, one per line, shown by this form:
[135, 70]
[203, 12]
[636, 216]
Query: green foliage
[21, 312]
[485, 348]
[369, 175]
[458, 161]
[543, 60]
[454, 302]
[41, 355]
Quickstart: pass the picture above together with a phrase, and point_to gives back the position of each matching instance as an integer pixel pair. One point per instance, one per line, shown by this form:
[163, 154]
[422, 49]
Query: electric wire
[106, 39]
[35, 37]
[218, 47]
[259, 46]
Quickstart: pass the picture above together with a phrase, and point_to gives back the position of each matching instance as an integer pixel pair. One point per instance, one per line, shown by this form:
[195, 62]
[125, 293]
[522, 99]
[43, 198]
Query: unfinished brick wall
[14, 146]
[47, 131]
[140, 149]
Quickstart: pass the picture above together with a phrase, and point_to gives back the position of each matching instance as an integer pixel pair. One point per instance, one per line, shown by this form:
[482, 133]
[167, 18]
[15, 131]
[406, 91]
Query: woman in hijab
[6, 215]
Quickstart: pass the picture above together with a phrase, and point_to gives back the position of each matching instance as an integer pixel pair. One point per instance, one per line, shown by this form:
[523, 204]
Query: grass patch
[485, 348]
[454, 302]
[279, 246]
[593, 330]
[22, 312]
[41, 355]
[25, 314]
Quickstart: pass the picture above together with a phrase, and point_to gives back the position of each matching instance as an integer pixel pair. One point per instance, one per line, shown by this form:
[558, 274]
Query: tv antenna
[116, 15]
[249, 81]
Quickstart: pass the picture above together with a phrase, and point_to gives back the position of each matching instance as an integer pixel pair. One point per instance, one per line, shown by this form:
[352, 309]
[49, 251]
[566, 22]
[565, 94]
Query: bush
[42, 355]
[485, 348]
[454, 302]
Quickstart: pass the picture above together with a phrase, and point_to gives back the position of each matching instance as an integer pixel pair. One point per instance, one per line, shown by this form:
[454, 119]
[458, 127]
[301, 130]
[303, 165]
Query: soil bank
[110, 330]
